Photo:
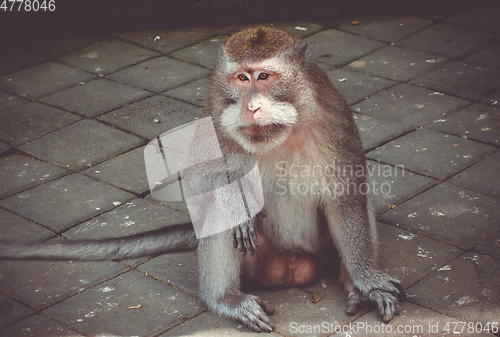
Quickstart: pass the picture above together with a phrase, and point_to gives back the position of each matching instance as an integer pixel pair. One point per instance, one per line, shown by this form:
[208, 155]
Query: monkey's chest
[292, 201]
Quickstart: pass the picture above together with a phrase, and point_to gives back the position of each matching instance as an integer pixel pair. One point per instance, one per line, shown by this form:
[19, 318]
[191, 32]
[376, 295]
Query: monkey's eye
[242, 77]
[263, 76]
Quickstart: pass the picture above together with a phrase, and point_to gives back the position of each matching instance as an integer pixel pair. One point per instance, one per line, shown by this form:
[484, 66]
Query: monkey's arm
[220, 270]
[355, 236]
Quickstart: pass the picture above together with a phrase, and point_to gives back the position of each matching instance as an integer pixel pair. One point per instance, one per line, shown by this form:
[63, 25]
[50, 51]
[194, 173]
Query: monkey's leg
[353, 233]
[220, 270]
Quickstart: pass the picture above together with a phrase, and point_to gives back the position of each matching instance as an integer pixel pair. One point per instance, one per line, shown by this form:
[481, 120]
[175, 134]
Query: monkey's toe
[352, 303]
[387, 304]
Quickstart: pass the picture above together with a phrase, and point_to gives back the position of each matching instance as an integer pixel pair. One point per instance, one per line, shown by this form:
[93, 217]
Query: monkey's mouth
[258, 133]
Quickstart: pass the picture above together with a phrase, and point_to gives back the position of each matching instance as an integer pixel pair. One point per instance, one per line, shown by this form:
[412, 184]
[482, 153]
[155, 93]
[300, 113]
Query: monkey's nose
[253, 107]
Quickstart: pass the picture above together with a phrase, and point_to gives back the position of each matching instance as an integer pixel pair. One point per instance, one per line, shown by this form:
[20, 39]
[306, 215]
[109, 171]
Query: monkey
[270, 101]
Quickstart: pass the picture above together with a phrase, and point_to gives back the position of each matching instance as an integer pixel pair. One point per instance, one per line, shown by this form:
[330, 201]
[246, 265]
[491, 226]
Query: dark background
[91, 17]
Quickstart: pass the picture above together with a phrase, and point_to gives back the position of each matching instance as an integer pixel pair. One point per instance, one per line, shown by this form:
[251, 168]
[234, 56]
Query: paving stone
[447, 40]
[356, 87]
[14, 60]
[211, 325]
[484, 21]
[489, 56]
[95, 98]
[390, 185]
[462, 79]
[80, 144]
[43, 79]
[8, 101]
[13, 226]
[170, 40]
[375, 131]
[4, 149]
[20, 172]
[432, 153]
[298, 29]
[30, 121]
[478, 122]
[483, 177]
[324, 66]
[160, 74]
[337, 48]
[102, 309]
[455, 215]
[127, 171]
[466, 287]
[107, 56]
[140, 117]
[38, 326]
[65, 202]
[490, 246]
[57, 47]
[180, 206]
[203, 53]
[195, 92]
[179, 269]
[396, 63]
[413, 321]
[134, 217]
[387, 30]
[294, 307]
[408, 257]
[407, 107]
[492, 99]
[11, 311]
[43, 283]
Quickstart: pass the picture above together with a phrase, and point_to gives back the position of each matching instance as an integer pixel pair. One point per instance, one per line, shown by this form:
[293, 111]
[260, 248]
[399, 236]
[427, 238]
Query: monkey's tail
[169, 239]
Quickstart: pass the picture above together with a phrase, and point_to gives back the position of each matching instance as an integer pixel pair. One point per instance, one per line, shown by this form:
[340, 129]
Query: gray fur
[169, 239]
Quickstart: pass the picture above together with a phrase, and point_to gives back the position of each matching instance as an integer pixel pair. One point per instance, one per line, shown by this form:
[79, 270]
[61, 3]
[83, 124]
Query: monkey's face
[260, 112]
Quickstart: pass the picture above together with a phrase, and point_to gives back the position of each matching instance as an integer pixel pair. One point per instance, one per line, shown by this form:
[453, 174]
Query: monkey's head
[261, 88]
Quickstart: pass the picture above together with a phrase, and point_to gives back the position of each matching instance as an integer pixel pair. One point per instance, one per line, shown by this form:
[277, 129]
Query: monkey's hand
[245, 237]
[379, 288]
[248, 309]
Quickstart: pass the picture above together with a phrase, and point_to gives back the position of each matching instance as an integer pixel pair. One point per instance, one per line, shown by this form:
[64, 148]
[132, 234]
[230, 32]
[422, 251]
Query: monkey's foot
[386, 292]
[248, 309]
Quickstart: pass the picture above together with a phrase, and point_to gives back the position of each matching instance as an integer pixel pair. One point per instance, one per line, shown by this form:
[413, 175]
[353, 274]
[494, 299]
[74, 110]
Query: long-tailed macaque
[270, 101]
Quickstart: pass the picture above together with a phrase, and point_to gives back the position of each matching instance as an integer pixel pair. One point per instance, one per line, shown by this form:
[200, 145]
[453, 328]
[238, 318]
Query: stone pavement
[75, 115]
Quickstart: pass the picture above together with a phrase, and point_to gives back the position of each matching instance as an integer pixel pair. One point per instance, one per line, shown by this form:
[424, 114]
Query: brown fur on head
[257, 44]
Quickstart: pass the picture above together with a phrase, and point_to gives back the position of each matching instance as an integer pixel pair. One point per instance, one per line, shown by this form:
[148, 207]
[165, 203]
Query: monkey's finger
[238, 238]
[387, 304]
[268, 308]
[401, 288]
[250, 233]
[248, 243]
[254, 316]
[255, 240]
[353, 301]
[262, 321]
